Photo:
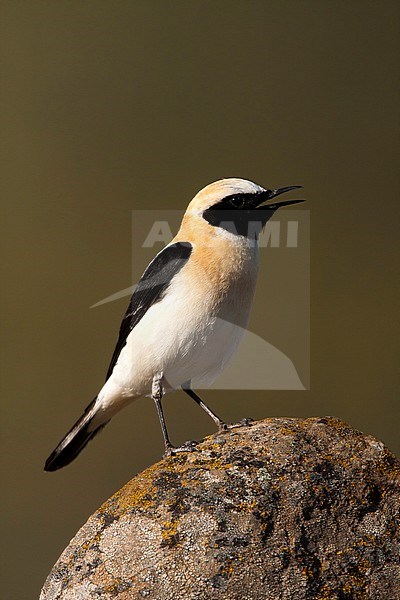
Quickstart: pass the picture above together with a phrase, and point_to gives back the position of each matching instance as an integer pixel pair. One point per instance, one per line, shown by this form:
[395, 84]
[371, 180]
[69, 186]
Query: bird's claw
[189, 446]
[223, 428]
[246, 422]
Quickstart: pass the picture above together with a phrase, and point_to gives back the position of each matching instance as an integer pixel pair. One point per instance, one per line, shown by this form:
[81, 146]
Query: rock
[280, 509]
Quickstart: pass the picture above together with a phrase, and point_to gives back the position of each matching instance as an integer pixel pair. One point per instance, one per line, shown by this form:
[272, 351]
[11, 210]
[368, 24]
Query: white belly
[189, 335]
[184, 337]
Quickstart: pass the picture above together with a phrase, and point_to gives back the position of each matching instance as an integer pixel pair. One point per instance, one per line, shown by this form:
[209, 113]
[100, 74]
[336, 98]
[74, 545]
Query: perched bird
[188, 311]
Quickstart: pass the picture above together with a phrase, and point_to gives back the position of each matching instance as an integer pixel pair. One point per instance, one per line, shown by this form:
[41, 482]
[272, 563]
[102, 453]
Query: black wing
[151, 287]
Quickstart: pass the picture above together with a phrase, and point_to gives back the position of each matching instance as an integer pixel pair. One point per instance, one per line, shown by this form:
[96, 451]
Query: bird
[188, 312]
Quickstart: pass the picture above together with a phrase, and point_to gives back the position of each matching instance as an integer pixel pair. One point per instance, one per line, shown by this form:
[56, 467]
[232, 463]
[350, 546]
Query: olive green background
[109, 107]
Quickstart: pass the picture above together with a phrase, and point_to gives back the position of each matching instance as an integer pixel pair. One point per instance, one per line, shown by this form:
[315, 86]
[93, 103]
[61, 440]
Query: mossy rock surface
[281, 509]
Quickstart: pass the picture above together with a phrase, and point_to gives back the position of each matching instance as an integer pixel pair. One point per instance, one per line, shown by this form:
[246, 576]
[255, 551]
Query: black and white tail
[75, 440]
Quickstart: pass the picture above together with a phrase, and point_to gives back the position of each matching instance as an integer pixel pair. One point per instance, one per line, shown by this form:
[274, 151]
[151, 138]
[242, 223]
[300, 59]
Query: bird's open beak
[269, 194]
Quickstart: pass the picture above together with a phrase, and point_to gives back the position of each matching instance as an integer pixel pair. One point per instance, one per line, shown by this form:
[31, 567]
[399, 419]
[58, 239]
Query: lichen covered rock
[280, 509]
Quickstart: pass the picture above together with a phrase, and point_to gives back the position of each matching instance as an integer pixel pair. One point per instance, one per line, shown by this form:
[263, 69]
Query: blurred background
[110, 107]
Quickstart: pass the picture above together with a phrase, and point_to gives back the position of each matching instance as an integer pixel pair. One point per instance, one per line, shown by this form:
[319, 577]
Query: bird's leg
[157, 393]
[222, 426]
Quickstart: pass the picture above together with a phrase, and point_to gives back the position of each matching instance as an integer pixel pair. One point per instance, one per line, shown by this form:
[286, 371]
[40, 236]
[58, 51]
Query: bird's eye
[237, 201]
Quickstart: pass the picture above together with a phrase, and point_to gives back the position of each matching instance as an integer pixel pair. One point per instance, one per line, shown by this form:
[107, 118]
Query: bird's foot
[223, 427]
[189, 446]
[246, 422]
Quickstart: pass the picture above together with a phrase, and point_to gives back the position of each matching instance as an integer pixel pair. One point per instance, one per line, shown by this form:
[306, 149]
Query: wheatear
[188, 312]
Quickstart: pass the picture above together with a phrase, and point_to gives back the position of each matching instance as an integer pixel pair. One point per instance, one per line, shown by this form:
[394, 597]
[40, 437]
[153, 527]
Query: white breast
[190, 334]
